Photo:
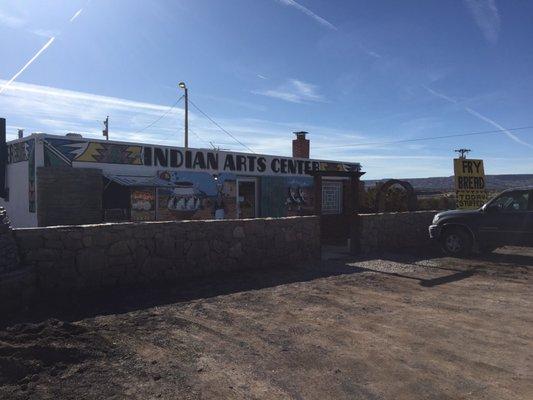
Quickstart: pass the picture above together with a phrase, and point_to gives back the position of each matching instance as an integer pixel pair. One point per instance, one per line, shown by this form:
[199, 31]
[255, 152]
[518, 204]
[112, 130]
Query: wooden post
[355, 246]
[318, 194]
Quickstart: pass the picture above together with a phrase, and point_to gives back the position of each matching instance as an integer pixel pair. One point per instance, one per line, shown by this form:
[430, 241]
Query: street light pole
[184, 87]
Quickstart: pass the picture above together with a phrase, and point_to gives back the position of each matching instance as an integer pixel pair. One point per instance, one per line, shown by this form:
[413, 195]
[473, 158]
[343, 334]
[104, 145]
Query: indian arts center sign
[469, 183]
[68, 151]
[249, 164]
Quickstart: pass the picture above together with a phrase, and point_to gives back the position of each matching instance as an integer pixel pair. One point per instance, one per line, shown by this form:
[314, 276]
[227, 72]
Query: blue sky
[349, 72]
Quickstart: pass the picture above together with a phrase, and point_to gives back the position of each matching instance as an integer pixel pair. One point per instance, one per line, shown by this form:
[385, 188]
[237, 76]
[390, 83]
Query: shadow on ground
[117, 301]
[505, 263]
[336, 261]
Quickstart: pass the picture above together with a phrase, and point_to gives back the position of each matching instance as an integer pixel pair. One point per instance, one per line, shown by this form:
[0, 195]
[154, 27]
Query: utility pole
[184, 87]
[463, 152]
[106, 128]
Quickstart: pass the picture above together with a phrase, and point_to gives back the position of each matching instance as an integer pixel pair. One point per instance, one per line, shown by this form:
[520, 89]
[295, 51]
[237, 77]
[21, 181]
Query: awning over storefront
[133, 180]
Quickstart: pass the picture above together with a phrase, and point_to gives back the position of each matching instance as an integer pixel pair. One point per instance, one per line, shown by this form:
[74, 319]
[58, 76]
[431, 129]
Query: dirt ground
[390, 327]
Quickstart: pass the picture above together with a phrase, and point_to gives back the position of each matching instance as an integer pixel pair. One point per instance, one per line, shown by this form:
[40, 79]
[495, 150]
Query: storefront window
[331, 197]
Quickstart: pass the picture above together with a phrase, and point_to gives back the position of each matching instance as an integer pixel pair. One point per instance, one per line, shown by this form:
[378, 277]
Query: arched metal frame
[412, 201]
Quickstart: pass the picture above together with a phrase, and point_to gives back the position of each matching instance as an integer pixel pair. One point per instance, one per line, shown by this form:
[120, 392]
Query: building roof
[132, 180]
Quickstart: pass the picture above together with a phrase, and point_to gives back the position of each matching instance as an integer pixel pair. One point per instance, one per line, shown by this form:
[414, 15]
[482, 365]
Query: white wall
[17, 207]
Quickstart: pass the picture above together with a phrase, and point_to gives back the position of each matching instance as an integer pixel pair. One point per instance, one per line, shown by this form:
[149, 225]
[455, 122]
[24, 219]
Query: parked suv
[507, 219]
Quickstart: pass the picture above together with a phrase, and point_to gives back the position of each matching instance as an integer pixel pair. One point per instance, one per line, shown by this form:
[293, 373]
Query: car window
[512, 201]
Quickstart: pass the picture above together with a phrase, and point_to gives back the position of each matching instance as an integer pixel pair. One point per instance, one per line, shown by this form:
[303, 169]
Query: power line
[498, 131]
[200, 138]
[463, 152]
[222, 129]
[162, 116]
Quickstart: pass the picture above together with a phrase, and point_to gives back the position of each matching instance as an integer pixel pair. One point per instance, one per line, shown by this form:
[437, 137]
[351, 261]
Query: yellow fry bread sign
[469, 183]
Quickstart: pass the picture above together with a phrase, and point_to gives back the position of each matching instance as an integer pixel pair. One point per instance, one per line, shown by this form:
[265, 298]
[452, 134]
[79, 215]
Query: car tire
[456, 242]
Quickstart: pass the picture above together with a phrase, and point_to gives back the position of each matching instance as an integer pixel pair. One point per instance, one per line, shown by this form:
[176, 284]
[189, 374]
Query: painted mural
[65, 151]
[143, 204]
[338, 166]
[18, 152]
[25, 151]
[195, 195]
[300, 196]
[204, 181]
[198, 195]
[111, 153]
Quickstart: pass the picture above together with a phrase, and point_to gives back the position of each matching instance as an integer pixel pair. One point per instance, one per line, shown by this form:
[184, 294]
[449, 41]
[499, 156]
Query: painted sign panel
[59, 151]
[66, 151]
[469, 183]
[17, 152]
[25, 151]
[143, 204]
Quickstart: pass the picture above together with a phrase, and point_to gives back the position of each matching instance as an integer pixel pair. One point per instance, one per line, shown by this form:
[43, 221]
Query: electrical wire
[221, 128]
[162, 116]
[200, 138]
[498, 131]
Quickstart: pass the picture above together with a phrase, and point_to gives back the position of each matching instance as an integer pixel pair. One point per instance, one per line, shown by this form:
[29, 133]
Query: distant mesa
[446, 184]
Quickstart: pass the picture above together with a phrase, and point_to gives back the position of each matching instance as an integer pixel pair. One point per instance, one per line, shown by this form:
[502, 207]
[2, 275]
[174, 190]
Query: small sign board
[469, 183]
[143, 204]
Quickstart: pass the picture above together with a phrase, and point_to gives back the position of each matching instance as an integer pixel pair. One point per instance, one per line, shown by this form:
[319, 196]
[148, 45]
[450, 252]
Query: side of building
[60, 180]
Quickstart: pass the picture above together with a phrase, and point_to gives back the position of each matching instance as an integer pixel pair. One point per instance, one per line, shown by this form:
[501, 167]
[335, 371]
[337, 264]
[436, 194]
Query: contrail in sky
[309, 13]
[9, 82]
[76, 15]
[495, 124]
[479, 116]
[47, 44]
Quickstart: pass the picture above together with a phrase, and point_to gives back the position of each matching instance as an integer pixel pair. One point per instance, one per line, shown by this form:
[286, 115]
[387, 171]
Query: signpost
[469, 183]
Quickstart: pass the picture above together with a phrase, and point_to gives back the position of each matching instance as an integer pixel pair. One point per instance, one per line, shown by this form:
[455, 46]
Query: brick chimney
[300, 145]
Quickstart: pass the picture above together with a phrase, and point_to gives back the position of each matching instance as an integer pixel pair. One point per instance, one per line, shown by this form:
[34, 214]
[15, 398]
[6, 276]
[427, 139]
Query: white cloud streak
[58, 111]
[11, 21]
[46, 45]
[487, 18]
[479, 116]
[309, 13]
[498, 126]
[294, 91]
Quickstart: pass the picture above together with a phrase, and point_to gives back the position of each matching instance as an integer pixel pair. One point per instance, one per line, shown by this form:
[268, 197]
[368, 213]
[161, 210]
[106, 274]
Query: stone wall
[8, 248]
[16, 282]
[77, 258]
[69, 195]
[400, 231]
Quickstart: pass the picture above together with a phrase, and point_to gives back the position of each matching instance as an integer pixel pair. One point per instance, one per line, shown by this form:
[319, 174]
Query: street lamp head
[182, 85]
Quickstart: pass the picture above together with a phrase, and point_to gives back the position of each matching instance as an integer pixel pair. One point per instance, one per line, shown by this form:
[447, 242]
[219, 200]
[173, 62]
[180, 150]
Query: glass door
[246, 197]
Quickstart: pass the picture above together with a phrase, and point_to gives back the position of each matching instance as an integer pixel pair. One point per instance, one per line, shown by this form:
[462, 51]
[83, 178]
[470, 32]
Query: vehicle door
[507, 219]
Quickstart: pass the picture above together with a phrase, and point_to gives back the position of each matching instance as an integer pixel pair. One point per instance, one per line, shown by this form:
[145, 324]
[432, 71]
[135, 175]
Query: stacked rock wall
[74, 258]
[390, 232]
[17, 284]
[8, 247]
